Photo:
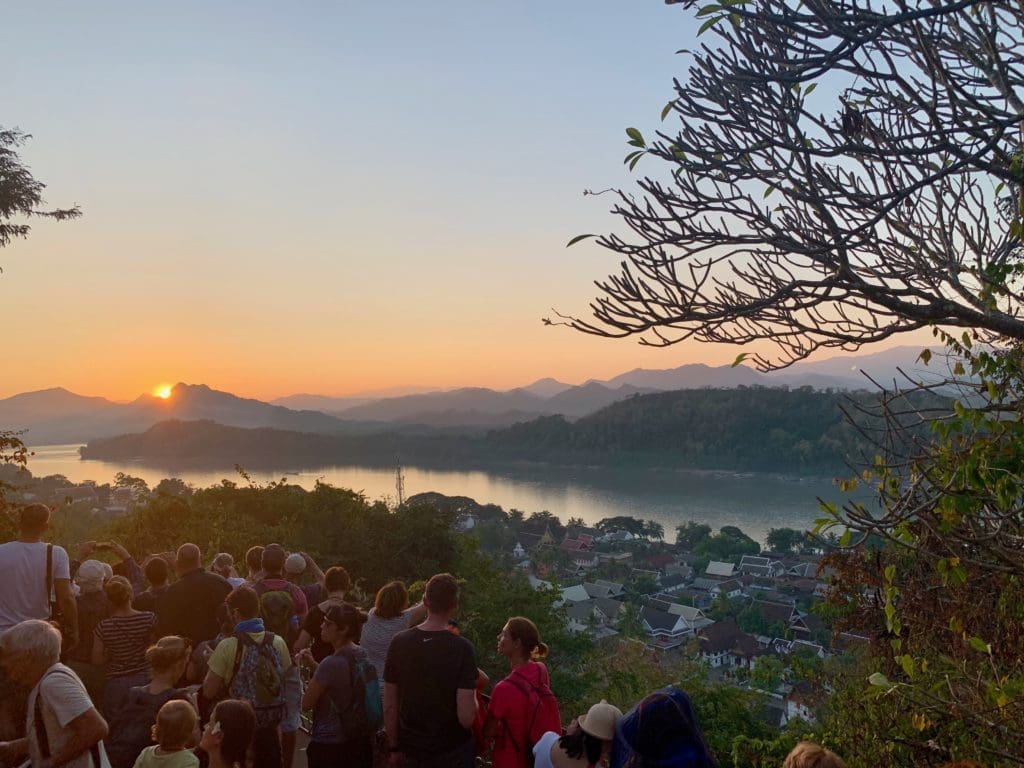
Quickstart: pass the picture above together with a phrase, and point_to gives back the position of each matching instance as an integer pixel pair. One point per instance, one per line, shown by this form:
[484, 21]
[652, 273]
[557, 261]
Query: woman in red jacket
[522, 706]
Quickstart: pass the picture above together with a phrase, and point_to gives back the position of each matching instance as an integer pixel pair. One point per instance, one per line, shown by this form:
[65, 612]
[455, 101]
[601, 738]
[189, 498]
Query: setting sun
[163, 391]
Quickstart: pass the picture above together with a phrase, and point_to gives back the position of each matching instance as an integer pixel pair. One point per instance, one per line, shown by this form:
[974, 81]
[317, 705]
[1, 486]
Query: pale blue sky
[328, 197]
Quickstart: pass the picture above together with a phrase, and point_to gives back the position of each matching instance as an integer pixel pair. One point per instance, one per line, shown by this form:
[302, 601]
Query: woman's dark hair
[661, 730]
[525, 631]
[118, 591]
[392, 599]
[581, 743]
[336, 579]
[244, 600]
[348, 619]
[157, 571]
[237, 724]
[254, 558]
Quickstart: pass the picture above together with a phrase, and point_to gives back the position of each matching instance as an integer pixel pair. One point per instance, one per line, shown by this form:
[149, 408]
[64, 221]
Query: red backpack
[541, 713]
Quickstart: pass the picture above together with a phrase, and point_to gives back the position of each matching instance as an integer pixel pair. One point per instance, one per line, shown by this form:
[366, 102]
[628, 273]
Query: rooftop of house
[718, 568]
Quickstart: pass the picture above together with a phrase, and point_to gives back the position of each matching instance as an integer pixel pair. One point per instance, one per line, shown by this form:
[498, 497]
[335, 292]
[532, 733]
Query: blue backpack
[258, 678]
[365, 712]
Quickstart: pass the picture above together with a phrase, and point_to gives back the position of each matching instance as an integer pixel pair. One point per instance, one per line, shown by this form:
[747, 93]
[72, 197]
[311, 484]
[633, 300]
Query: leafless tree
[839, 171]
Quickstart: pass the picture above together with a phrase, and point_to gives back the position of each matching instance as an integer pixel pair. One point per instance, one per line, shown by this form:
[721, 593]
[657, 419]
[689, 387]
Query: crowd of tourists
[120, 666]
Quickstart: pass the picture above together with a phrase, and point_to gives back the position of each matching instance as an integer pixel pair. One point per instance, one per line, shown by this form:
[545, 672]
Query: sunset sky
[326, 198]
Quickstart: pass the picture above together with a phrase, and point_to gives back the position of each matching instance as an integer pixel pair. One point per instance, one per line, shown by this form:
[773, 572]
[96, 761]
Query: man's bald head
[188, 558]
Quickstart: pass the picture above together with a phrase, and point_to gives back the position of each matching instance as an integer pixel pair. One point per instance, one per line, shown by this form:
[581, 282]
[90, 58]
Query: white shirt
[63, 699]
[23, 574]
[542, 750]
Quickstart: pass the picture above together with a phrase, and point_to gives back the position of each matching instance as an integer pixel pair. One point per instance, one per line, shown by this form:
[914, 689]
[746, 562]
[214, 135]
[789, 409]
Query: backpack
[132, 731]
[258, 678]
[543, 715]
[365, 712]
[277, 609]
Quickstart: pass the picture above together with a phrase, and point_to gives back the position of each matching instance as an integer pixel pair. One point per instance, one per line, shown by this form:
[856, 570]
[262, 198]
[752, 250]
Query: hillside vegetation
[756, 429]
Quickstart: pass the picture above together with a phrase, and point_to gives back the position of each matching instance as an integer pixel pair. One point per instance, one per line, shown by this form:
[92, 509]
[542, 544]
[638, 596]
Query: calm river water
[753, 502]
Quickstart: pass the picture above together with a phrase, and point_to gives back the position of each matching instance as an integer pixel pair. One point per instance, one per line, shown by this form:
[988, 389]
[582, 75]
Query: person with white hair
[224, 565]
[63, 726]
[93, 607]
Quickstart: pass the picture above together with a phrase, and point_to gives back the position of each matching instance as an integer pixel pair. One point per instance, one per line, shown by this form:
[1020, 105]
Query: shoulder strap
[240, 639]
[525, 687]
[42, 739]
[268, 638]
[40, 725]
[49, 577]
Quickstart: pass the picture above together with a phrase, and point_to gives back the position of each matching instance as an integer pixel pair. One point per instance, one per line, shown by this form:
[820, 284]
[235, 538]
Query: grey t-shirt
[23, 574]
[63, 700]
[335, 675]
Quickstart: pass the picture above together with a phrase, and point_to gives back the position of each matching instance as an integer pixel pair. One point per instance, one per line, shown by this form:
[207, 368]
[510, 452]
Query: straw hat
[600, 719]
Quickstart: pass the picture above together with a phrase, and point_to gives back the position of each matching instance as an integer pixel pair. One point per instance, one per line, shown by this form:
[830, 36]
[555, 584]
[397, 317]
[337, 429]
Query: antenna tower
[400, 483]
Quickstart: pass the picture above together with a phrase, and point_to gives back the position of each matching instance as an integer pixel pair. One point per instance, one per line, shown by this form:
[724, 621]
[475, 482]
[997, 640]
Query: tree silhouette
[783, 214]
[21, 195]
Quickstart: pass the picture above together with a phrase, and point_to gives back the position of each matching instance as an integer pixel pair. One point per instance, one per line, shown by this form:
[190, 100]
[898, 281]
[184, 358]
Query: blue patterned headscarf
[661, 732]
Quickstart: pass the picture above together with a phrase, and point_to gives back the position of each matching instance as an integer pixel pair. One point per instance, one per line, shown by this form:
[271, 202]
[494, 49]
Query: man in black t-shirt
[189, 606]
[430, 677]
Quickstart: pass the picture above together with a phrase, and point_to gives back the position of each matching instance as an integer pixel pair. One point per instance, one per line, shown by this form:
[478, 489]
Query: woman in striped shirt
[120, 641]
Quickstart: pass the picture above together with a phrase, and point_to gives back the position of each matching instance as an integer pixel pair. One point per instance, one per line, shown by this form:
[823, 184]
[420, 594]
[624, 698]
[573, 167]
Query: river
[753, 502]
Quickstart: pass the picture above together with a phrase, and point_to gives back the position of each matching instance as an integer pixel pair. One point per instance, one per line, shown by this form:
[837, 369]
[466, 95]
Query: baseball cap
[295, 563]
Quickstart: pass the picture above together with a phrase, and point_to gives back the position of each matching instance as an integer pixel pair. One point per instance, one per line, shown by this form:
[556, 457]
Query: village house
[732, 589]
[718, 569]
[598, 589]
[804, 700]
[597, 616]
[723, 645]
[785, 614]
[617, 537]
[614, 558]
[756, 565]
[672, 584]
[678, 569]
[698, 598]
[669, 625]
[580, 542]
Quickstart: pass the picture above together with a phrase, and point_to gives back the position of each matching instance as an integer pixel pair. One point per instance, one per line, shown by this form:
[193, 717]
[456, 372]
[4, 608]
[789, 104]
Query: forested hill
[742, 429]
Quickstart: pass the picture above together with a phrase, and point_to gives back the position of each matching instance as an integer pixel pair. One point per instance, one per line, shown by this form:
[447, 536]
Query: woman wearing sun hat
[586, 742]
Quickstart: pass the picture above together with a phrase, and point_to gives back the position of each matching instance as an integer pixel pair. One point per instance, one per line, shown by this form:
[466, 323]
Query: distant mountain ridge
[59, 416]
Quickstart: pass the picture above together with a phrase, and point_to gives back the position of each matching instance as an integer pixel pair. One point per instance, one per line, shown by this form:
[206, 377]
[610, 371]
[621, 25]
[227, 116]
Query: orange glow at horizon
[163, 391]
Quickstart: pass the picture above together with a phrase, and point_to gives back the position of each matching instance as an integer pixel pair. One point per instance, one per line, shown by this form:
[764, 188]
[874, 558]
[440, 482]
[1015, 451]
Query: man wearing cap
[429, 685]
[189, 606]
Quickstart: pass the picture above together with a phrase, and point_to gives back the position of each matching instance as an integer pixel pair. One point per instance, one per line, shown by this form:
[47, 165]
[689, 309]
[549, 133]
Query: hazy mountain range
[59, 416]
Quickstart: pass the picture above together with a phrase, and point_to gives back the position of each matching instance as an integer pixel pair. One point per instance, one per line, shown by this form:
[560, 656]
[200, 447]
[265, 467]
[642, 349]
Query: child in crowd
[175, 729]
[807, 754]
